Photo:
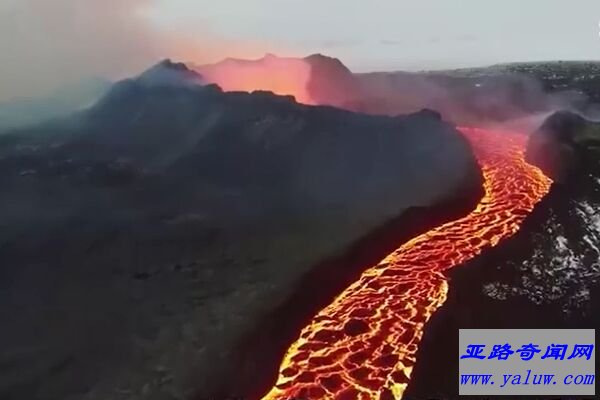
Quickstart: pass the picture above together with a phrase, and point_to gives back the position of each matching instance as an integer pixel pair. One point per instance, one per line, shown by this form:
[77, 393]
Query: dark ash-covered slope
[142, 239]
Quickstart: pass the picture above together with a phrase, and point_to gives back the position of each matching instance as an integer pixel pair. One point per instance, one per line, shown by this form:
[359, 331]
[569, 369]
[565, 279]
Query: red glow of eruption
[283, 76]
[364, 344]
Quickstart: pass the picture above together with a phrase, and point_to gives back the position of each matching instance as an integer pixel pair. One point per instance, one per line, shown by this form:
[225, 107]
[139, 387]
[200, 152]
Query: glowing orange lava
[283, 76]
[363, 345]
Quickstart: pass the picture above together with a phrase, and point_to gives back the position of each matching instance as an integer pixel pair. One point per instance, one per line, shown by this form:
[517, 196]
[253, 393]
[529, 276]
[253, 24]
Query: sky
[405, 34]
[49, 43]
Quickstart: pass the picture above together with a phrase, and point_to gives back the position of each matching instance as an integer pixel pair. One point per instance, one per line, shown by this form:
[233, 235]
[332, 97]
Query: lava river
[364, 344]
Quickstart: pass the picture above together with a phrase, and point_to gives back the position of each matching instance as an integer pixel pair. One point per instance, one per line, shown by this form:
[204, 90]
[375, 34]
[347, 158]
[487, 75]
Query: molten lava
[363, 345]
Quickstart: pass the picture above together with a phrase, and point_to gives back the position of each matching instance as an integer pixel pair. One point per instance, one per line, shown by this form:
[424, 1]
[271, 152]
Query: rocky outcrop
[564, 145]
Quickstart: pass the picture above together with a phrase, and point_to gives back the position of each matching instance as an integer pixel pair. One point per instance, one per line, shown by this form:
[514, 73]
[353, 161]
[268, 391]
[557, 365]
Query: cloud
[467, 38]
[391, 42]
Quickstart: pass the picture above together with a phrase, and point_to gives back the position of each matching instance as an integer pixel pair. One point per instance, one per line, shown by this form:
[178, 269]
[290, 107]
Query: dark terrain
[145, 240]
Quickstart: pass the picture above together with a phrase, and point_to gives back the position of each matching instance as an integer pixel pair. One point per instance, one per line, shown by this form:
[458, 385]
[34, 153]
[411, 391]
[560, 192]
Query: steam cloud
[501, 100]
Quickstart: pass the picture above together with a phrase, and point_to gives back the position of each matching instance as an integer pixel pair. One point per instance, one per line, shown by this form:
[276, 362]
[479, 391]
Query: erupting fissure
[364, 344]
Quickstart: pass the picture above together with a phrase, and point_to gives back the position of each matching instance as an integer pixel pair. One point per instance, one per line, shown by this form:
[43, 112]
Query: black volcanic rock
[566, 143]
[427, 113]
[144, 237]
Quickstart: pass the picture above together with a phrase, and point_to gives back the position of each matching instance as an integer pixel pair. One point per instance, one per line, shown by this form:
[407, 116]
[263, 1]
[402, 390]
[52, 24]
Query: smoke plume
[47, 44]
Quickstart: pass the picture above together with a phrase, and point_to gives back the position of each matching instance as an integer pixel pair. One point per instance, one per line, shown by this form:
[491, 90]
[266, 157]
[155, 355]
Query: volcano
[190, 204]
[364, 344]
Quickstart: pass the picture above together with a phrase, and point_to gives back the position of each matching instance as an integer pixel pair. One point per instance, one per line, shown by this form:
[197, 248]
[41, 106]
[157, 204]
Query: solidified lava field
[363, 345]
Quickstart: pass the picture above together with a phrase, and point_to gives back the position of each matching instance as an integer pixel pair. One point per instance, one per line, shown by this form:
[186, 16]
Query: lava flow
[364, 344]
